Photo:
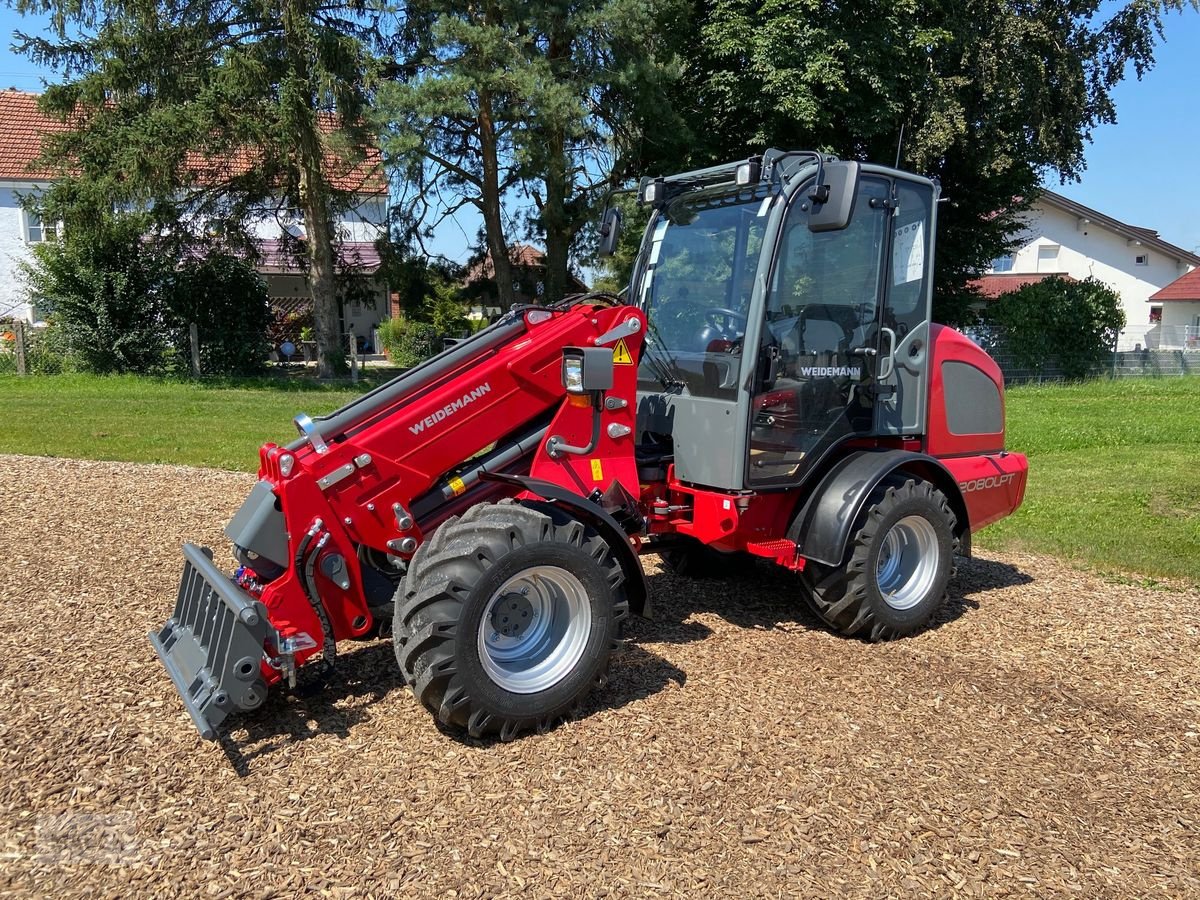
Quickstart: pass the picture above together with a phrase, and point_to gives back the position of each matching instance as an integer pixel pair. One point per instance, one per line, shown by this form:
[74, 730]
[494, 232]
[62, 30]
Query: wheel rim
[534, 630]
[908, 562]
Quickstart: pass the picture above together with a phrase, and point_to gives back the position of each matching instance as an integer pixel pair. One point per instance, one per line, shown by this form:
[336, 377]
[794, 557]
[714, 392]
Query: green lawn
[1113, 479]
[152, 420]
[1114, 476]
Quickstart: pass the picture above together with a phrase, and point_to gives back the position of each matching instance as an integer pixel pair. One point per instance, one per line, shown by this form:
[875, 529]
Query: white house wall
[363, 223]
[1180, 325]
[1090, 250]
[14, 250]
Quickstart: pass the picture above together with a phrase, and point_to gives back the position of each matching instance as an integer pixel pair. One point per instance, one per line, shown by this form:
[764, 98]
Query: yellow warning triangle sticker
[621, 355]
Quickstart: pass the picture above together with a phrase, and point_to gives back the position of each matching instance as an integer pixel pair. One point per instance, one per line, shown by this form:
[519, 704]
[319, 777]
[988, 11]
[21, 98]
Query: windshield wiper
[656, 349]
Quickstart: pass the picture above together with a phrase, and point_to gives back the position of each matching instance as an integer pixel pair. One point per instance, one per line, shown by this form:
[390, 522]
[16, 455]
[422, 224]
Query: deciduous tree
[207, 114]
[991, 96]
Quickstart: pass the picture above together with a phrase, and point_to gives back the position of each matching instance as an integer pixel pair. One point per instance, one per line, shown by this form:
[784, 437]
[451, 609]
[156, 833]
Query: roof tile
[1186, 287]
[992, 286]
[22, 126]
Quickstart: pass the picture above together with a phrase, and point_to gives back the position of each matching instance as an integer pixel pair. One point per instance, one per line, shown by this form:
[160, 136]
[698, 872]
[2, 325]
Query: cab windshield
[696, 285]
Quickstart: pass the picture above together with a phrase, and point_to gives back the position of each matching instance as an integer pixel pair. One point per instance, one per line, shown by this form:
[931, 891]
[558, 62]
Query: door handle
[887, 360]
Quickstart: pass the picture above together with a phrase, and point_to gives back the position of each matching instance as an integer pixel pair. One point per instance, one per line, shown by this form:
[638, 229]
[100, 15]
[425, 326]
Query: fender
[822, 525]
[594, 515]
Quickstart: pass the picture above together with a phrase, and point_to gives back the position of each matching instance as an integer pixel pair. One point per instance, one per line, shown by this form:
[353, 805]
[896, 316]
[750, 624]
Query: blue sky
[1139, 170]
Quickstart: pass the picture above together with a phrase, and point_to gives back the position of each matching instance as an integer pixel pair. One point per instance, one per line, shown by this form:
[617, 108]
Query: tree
[123, 302]
[1073, 323]
[551, 98]
[209, 115]
[448, 114]
[991, 97]
[227, 300]
[599, 95]
[106, 292]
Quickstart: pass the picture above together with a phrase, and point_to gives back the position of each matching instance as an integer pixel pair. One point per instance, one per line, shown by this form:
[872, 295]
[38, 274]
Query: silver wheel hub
[535, 629]
[907, 566]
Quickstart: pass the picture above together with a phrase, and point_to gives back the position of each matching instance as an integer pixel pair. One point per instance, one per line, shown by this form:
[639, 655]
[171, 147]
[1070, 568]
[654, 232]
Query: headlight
[572, 372]
[749, 172]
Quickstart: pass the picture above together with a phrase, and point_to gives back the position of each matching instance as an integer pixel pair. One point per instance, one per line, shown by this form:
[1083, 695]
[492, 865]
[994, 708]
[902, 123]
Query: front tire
[507, 618]
[894, 575]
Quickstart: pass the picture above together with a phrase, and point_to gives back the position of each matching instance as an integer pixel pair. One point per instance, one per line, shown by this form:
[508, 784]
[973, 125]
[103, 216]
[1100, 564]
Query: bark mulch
[1041, 740]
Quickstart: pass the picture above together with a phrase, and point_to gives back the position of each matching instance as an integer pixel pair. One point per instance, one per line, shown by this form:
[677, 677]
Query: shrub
[418, 342]
[105, 289]
[227, 299]
[446, 311]
[391, 331]
[1075, 323]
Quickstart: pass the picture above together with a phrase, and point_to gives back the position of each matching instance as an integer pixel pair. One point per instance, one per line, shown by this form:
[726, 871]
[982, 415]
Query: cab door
[822, 340]
[902, 372]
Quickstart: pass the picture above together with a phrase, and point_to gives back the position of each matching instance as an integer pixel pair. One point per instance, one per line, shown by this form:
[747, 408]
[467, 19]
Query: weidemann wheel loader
[770, 386]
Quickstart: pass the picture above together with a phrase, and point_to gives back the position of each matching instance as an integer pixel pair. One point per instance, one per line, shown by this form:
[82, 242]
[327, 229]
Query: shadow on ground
[766, 596]
[761, 598]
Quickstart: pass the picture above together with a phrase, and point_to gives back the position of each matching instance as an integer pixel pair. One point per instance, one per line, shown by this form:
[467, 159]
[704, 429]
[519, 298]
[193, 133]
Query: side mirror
[833, 199]
[610, 232]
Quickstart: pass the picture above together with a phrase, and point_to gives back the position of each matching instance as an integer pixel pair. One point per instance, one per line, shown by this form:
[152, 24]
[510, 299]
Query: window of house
[1002, 263]
[1142, 259]
[1048, 253]
[1155, 315]
[35, 231]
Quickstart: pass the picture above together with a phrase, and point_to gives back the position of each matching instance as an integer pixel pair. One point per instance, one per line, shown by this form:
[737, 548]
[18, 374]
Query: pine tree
[208, 114]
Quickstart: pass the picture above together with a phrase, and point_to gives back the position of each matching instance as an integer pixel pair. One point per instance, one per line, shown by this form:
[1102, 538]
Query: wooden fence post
[194, 340]
[19, 347]
[353, 357]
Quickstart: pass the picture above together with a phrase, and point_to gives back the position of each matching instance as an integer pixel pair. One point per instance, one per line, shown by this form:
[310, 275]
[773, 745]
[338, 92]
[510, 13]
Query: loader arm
[348, 504]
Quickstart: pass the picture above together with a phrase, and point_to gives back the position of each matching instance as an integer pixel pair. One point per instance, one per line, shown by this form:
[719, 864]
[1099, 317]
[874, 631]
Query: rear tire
[894, 575]
[507, 618]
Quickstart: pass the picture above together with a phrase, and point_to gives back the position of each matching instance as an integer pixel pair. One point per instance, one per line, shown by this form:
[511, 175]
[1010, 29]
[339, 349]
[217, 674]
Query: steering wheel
[731, 317]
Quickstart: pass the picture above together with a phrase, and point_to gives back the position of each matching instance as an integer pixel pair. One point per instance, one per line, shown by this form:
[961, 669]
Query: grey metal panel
[904, 411]
[213, 643]
[973, 403]
[259, 526]
[710, 441]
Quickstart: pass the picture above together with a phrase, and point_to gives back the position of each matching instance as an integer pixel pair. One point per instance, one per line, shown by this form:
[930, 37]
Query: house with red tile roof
[1065, 238]
[22, 126]
[529, 277]
[1180, 304]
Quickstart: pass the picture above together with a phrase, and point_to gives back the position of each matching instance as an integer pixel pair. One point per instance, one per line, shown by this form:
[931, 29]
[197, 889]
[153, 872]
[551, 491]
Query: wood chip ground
[1040, 741]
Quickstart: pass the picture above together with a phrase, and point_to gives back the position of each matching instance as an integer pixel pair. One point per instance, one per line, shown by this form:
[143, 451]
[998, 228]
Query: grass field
[218, 425]
[1113, 479]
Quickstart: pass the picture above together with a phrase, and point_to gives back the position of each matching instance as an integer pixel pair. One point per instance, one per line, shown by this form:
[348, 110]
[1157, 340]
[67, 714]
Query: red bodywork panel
[360, 493]
[992, 480]
[403, 451]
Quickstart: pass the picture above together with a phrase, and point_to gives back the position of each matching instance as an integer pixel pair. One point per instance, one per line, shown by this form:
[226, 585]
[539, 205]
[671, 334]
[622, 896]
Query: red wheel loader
[770, 385]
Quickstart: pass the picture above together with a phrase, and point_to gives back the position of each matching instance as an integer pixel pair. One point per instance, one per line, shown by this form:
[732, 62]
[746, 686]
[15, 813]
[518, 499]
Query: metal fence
[30, 350]
[1163, 352]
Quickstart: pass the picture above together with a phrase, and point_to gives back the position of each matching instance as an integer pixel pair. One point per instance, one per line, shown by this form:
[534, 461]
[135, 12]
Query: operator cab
[788, 302]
